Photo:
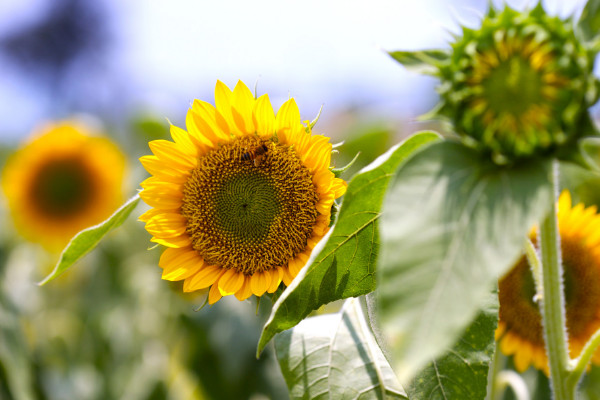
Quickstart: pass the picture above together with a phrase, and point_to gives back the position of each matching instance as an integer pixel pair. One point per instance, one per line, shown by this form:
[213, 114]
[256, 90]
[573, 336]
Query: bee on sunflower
[228, 222]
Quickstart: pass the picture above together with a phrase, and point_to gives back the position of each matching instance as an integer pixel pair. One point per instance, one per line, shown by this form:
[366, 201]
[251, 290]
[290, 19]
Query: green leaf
[590, 385]
[589, 22]
[335, 356]
[343, 263]
[590, 151]
[88, 238]
[462, 372]
[16, 375]
[424, 61]
[451, 225]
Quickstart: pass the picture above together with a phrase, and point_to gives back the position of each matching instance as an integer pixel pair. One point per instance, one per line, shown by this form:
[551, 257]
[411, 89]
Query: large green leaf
[335, 356]
[589, 22]
[423, 61]
[462, 372]
[88, 238]
[343, 263]
[452, 224]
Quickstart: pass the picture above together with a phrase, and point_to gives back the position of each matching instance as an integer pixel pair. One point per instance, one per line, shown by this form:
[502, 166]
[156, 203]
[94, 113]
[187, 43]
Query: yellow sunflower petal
[157, 168]
[325, 202]
[276, 278]
[264, 117]
[245, 291]
[564, 201]
[172, 154]
[173, 242]
[206, 120]
[206, 276]
[166, 225]
[223, 101]
[318, 155]
[523, 357]
[242, 103]
[339, 187]
[500, 330]
[184, 141]
[230, 282]
[214, 294]
[178, 272]
[295, 266]
[323, 179]
[287, 120]
[179, 264]
[163, 196]
[287, 277]
[145, 217]
[260, 282]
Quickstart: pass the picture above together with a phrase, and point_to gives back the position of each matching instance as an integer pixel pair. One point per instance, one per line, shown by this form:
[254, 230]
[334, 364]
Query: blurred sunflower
[241, 198]
[62, 181]
[520, 326]
[519, 85]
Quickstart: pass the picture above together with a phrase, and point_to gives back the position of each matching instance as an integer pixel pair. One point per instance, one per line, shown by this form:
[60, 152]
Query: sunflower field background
[374, 213]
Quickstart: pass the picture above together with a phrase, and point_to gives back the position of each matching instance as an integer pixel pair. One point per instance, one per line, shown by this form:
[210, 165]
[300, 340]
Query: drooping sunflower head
[520, 325]
[518, 86]
[241, 198]
[62, 181]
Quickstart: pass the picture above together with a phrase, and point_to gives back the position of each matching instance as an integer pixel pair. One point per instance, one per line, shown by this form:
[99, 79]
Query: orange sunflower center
[250, 205]
[582, 295]
[61, 188]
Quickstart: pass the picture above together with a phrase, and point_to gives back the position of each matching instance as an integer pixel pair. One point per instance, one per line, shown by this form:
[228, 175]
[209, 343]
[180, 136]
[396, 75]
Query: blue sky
[161, 55]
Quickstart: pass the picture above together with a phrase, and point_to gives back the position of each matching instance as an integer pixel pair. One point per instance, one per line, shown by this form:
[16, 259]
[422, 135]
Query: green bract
[519, 86]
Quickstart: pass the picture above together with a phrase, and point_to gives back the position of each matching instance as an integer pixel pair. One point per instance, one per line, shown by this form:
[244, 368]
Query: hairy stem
[553, 302]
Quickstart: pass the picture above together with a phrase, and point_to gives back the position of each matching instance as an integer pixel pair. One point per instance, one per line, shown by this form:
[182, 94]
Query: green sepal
[338, 144]
[589, 22]
[538, 11]
[314, 121]
[492, 12]
[423, 61]
[339, 171]
[204, 294]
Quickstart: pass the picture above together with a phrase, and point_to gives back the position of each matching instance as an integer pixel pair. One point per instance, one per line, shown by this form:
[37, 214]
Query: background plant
[436, 266]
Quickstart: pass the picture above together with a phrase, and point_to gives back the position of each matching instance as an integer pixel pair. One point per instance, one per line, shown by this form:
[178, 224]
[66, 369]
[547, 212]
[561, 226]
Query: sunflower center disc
[513, 87]
[249, 208]
[582, 295]
[62, 188]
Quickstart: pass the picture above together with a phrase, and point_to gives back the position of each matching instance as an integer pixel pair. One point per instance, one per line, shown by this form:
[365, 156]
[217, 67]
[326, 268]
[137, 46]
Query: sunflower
[62, 181]
[241, 198]
[520, 326]
[519, 85]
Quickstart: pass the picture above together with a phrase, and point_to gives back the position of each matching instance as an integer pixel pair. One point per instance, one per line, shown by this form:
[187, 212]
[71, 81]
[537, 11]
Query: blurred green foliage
[112, 329]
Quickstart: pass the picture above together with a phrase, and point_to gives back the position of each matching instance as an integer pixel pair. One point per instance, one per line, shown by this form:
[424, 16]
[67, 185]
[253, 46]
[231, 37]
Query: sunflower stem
[553, 301]
[534, 261]
[581, 362]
